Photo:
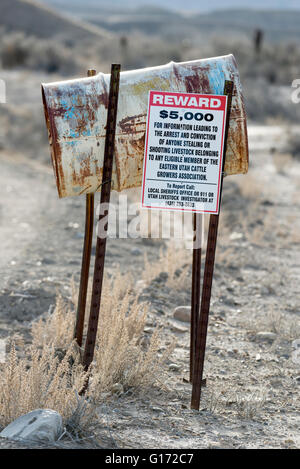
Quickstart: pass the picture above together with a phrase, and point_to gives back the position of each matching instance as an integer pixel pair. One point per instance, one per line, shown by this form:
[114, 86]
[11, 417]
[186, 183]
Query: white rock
[235, 236]
[117, 388]
[182, 313]
[177, 328]
[266, 336]
[38, 425]
[174, 367]
[157, 409]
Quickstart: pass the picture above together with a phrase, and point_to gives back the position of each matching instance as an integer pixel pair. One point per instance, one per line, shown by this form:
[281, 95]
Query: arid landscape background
[251, 399]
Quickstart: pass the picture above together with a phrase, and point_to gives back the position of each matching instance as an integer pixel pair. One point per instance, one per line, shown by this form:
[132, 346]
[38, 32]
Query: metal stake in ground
[196, 285]
[104, 199]
[86, 259]
[208, 278]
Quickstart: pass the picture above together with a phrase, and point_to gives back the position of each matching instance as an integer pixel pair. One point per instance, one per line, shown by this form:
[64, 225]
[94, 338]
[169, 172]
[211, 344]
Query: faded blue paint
[217, 75]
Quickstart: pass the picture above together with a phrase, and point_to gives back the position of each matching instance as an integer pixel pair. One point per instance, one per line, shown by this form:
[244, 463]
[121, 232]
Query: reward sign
[184, 151]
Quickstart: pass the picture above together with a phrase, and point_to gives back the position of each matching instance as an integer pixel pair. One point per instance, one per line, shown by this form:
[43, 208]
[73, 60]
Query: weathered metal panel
[76, 112]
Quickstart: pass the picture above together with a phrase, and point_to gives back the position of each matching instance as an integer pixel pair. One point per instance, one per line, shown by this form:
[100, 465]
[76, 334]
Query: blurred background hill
[279, 21]
[38, 20]
[191, 5]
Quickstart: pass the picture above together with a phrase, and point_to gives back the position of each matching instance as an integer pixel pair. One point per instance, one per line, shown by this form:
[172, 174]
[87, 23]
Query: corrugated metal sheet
[76, 112]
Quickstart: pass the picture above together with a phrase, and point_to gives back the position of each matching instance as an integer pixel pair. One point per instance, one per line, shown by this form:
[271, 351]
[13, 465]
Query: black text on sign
[184, 151]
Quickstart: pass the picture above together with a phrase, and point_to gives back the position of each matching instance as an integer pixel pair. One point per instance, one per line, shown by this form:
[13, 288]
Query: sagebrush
[50, 374]
[174, 260]
[40, 380]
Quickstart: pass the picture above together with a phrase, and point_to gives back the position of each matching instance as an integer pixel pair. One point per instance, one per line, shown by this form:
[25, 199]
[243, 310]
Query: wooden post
[86, 259]
[104, 199]
[208, 277]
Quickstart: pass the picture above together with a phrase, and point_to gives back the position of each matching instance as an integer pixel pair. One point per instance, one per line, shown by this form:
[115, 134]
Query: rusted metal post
[208, 277]
[104, 199]
[196, 286]
[86, 259]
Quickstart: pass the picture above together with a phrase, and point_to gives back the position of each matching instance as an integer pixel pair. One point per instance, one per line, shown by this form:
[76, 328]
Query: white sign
[184, 151]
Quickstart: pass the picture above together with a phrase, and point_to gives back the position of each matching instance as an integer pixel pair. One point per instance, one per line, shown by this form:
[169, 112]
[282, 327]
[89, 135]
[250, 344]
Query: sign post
[184, 162]
[196, 288]
[202, 322]
[104, 199]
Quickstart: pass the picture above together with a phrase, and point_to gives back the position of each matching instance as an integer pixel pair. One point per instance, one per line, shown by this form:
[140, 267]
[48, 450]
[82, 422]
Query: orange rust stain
[196, 83]
[139, 144]
[85, 171]
[56, 155]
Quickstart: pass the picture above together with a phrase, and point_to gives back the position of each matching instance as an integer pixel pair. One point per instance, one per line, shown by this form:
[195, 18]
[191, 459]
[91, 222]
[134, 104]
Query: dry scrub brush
[18, 50]
[277, 321]
[174, 260]
[40, 380]
[246, 405]
[51, 376]
[56, 328]
[121, 354]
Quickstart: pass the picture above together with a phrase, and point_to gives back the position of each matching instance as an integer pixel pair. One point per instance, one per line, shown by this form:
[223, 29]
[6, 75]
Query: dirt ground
[251, 399]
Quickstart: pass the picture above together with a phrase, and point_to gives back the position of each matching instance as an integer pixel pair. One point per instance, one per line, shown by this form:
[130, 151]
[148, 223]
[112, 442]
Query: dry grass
[56, 328]
[249, 407]
[276, 321]
[49, 375]
[40, 380]
[121, 355]
[245, 406]
[174, 260]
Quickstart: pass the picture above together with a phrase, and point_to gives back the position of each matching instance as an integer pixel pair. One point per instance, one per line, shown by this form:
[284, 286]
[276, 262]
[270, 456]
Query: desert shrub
[120, 355]
[55, 328]
[40, 380]
[22, 51]
[50, 375]
[247, 407]
[174, 261]
[14, 50]
[275, 321]
[250, 406]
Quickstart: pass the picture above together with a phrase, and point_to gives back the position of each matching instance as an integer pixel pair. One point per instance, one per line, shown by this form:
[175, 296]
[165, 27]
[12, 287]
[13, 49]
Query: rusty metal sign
[76, 113]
